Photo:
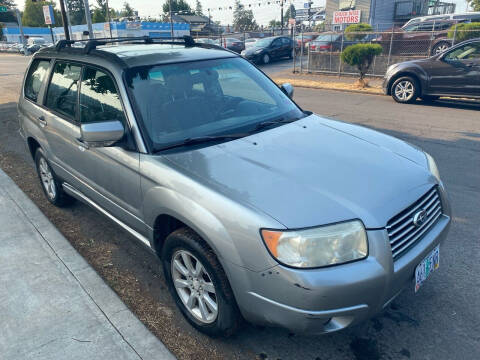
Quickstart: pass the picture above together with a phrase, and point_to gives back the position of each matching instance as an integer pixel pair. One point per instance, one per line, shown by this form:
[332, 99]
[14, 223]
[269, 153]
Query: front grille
[402, 231]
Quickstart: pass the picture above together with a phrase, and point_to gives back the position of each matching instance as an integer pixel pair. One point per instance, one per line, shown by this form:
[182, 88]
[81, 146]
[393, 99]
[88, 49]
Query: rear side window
[63, 89]
[36, 76]
[99, 100]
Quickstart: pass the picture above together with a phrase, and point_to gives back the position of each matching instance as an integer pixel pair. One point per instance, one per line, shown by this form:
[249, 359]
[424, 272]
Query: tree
[127, 10]
[8, 16]
[274, 23]
[76, 8]
[464, 31]
[291, 13]
[177, 6]
[33, 14]
[357, 31]
[243, 19]
[198, 8]
[475, 4]
[361, 56]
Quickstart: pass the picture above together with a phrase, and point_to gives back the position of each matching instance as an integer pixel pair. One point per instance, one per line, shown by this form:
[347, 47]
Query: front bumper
[333, 298]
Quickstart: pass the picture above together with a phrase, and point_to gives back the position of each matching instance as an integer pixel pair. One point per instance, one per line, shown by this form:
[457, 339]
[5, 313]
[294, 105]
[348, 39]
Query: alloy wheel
[441, 48]
[404, 90]
[266, 59]
[194, 286]
[48, 181]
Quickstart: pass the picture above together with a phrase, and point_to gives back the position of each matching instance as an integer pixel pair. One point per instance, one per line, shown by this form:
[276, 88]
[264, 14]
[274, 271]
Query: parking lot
[441, 321]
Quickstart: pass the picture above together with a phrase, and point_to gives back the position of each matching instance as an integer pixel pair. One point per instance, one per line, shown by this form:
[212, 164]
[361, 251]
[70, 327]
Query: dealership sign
[48, 15]
[346, 17]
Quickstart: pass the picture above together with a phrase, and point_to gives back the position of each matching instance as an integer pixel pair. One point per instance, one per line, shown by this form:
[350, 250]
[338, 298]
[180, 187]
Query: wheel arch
[33, 145]
[409, 73]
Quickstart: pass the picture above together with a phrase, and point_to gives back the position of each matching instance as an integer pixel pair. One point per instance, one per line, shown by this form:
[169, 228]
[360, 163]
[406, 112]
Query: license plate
[426, 267]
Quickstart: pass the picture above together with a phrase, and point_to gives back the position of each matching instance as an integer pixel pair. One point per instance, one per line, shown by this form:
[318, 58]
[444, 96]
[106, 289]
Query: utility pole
[19, 21]
[281, 16]
[88, 17]
[64, 20]
[171, 19]
[109, 20]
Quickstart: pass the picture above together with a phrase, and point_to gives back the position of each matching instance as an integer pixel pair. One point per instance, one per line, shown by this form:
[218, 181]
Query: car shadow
[464, 104]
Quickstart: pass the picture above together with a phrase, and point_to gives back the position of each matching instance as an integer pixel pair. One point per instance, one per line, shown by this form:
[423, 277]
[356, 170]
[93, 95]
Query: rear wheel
[405, 90]
[51, 185]
[198, 284]
[440, 47]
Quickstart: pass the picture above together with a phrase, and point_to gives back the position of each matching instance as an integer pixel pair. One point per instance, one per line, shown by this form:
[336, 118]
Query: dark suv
[429, 37]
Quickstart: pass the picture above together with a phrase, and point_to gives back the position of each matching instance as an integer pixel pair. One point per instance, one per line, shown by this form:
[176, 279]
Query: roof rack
[91, 44]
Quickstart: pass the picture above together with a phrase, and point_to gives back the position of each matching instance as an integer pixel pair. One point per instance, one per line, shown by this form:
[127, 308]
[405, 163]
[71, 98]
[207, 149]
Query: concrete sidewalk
[53, 305]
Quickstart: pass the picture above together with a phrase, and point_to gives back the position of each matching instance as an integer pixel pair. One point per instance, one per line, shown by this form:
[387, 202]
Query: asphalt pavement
[441, 321]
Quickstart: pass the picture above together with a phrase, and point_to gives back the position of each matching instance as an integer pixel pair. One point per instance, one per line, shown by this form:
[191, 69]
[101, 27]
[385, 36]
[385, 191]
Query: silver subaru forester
[258, 210]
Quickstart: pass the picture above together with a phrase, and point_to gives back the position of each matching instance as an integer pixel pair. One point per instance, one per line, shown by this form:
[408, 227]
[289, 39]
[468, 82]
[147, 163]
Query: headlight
[258, 51]
[432, 166]
[316, 247]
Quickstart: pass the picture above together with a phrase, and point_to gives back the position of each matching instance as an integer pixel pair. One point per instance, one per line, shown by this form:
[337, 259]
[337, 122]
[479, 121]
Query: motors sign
[347, 17]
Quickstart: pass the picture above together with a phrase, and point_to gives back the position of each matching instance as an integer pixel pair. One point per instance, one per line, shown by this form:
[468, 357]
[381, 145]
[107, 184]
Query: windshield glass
[205, 98]
[263, 42]
[327, 37]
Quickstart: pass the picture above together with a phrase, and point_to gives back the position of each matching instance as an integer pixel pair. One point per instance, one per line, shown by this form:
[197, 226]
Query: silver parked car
[258, 210]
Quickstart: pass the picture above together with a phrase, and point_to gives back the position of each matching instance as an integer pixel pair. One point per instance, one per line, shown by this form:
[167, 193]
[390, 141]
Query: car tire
[51, 185]
[266, 58]
[405, 90]
[183, 253]
[440, 47]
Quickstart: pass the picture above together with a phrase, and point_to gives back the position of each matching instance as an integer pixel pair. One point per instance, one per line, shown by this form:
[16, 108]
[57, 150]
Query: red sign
[347, 17]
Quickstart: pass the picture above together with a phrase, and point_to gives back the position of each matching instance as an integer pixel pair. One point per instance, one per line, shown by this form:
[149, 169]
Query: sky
[263, 13]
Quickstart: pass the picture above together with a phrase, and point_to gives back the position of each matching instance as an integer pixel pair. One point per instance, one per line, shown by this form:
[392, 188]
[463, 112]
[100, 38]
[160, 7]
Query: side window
[63, 89]
[99, 100]
[36, 76]
[277, 43]
[467, 52]
[286, 41]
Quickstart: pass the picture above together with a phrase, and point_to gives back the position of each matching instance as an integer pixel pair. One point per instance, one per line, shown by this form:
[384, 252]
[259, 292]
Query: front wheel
[198, 284]
[405, 90]
[266, 58]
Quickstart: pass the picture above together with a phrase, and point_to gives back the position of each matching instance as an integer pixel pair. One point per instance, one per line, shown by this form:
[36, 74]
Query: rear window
[63, 89]
[36, 76]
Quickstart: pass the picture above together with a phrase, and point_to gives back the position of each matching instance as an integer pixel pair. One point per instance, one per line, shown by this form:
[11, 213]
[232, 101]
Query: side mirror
[103, 133]
[287, 89]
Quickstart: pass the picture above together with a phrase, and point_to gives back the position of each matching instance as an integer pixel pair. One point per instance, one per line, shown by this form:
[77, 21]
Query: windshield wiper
[268, 123]
[200, 140]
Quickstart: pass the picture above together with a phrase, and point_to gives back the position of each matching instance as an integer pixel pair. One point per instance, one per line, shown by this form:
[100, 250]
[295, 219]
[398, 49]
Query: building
[199, 24]
[382, 14]
[100, 30]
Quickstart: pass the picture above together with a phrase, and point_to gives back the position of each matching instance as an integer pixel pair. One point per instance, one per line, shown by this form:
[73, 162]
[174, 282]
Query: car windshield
[263, 42]
[327, 37]
[205, 98]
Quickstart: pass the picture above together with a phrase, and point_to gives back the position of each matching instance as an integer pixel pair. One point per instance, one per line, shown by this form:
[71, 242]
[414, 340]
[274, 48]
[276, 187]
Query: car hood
[314, 171]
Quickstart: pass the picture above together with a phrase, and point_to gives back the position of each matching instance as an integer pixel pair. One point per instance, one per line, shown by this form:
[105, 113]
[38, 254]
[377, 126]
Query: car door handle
[42, 122]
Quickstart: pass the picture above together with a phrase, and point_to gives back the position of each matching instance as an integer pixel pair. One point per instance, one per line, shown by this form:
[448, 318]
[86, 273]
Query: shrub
[361, 28]
[361, 56]
[464, 31]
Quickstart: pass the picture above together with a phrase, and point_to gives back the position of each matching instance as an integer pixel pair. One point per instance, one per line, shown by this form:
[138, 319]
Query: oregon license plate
[426, 267]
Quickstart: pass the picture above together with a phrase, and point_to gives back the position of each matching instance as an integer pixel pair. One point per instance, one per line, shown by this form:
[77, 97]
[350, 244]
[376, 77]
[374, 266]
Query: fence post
[301, 51]
[294, 49]
[339, 56]
[455, 33]
[432, 37]
[390, 50]
[308, 60]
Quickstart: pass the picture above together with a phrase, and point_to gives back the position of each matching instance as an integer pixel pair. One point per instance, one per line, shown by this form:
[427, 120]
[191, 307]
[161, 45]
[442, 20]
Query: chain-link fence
[420, 40]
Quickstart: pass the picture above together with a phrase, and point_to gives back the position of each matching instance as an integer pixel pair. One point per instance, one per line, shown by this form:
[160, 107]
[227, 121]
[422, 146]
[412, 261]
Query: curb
[131, 330]
[319, 87]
